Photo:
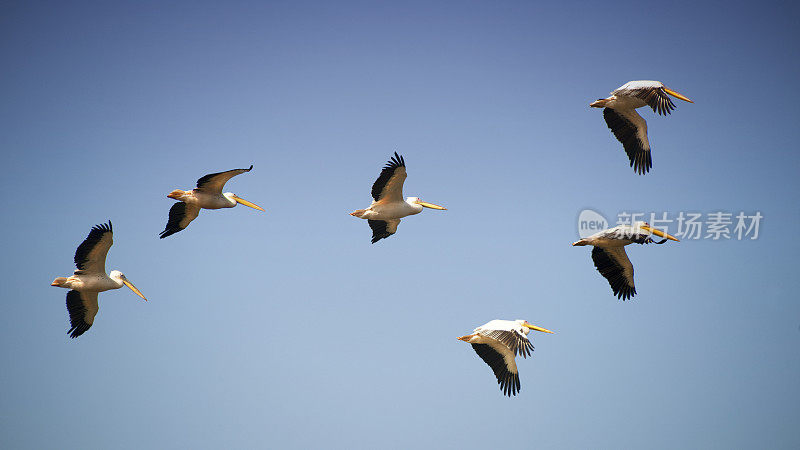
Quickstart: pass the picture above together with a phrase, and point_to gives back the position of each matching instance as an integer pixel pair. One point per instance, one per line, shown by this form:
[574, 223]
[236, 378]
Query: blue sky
[288, 329]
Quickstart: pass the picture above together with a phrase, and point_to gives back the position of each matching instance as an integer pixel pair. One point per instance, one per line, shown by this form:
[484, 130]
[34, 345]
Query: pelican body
[609, 255]
[94, 282]
[619, 112]
[388, 211]
[388, 205]
[498, 342]
[207, 195]
[90, 279]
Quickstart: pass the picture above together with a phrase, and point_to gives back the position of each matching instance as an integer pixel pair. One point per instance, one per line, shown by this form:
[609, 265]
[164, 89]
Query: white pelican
[388, 206]
[627, 125]
[207, 195]
[498, 343]
[90, 278]
[609, 254]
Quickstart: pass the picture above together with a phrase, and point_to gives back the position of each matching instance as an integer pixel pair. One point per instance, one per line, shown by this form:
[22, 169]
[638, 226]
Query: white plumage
[498, 342]
[619, 112]
[388, 205]
[609, 255]
[207, 195]
[90, 278]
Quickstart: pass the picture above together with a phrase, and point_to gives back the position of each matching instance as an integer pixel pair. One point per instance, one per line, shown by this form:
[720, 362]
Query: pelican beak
[599, 103]
[133, 288]
[430, 205]
[534, 327]
[246, 203]
[677, 95]
[659, 233]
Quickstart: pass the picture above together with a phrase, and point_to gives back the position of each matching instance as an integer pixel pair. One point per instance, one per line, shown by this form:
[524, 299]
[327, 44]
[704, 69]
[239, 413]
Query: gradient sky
[288, 329]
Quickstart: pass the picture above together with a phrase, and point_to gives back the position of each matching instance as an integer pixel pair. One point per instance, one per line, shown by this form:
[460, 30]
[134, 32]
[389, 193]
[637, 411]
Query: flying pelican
[207, 195]
[90, 278]
[609, 254]
[497, 343]
[627, 125]
[388, 206]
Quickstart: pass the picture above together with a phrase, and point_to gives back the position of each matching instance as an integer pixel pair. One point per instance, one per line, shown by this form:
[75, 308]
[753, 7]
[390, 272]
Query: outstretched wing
[658, 100]
[517, 343]
[180, 215]
[214, 182]
[389, 185]
[383, 228]
[651, 92]
[90, 257]
[82, 307]
[631, 129]
[614, 265]
[501, 360]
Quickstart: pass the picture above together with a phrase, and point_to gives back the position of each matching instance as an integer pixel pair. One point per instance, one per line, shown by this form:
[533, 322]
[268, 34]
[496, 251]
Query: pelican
[207, 195]
[498, 342]
[609, 254]
[388, 206]
[627, 125]
[90, 278]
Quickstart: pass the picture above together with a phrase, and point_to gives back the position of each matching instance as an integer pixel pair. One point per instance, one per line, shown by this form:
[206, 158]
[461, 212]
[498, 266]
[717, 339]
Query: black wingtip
[641, 162]
[613, 273]
[76, 311]
[94, 236]
[378, 238]
[398, 157]
[639, 159]
[77, 331]
[378, 230]
[176, 213]
[103, 227]
[395, 161]
[624, 293]
[166, 233]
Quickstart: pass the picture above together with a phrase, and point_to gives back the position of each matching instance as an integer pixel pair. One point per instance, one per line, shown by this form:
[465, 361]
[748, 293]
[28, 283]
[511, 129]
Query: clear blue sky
[288, 329]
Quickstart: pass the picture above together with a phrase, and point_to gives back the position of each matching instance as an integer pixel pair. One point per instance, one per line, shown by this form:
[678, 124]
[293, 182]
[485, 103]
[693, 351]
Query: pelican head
[236, 199]
[417, 201]
[676, 95]
[119, 276]
[646, 227]
[527, 326]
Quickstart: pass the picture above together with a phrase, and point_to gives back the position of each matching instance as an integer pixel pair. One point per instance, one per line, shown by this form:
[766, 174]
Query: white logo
[590, 222]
